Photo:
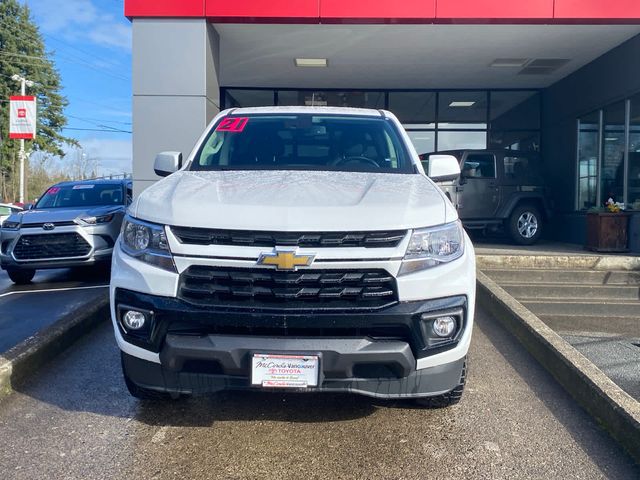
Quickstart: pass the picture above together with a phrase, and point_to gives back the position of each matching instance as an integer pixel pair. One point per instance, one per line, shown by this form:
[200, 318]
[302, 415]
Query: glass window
[82, 195]
[424, 142]
[331, 98]
[613, 153]
[462, 140]
[633, 192]
[479, 165]
[5, 210]
[235, 98]
[463, 110]
[522, 170]
[515, 110]
[414, 107]
[588, 154]
[304, 142]
[524, 141]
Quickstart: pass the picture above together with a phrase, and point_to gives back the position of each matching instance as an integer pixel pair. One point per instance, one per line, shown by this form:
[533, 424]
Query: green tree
[22, 51]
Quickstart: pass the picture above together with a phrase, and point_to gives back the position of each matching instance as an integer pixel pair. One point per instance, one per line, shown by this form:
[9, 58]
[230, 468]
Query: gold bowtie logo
[285, 259]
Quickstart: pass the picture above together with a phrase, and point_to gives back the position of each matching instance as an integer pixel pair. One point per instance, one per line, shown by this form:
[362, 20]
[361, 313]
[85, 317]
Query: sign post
[22, 126]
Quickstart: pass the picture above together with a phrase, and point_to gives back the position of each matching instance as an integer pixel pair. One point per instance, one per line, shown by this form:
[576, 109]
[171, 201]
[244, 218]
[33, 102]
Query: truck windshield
[304, 142]
[82, 195]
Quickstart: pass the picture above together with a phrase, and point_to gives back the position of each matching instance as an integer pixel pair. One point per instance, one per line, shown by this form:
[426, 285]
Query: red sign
[232, 124]
[22, 117]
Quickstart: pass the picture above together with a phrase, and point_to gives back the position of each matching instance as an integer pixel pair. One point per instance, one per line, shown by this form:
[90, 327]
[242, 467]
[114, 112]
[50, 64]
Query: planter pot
[607, 232]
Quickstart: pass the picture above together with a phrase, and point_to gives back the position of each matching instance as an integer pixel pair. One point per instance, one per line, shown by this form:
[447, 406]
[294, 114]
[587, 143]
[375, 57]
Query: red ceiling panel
[164, 8]
[597, 9]
[494, 9]
[383, 10]
[283, 9]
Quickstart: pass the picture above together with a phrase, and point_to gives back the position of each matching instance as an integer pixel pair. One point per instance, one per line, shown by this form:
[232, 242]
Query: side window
[479, 165]
[129, 194]
[515, 168]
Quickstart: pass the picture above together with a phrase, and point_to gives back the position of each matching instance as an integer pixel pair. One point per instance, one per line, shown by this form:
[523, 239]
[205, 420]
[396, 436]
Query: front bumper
[193, 349]
[374, 353]
[100, 240]
[419, 383]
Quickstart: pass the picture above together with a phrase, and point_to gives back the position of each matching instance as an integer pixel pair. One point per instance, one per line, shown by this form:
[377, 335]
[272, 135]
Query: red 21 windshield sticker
[232, 124]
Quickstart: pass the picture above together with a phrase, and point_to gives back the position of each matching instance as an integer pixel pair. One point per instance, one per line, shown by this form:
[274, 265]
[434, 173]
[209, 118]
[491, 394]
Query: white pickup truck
[299, 248]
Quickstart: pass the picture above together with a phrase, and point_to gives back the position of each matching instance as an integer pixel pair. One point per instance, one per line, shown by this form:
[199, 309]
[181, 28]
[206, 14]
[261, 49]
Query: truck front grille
[246, 238]
[301, 290]
[51, 245]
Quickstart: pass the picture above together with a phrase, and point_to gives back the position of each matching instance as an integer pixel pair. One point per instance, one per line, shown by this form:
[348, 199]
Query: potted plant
[607, 228]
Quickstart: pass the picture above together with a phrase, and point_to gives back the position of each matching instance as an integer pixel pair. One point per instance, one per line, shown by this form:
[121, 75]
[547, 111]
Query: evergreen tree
[22, 51]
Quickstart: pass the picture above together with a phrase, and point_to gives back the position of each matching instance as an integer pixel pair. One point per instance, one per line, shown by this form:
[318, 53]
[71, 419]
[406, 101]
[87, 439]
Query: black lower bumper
[166, 378]
[402, 321]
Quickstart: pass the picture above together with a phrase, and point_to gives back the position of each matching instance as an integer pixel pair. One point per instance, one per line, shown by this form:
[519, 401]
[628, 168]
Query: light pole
[23, 84]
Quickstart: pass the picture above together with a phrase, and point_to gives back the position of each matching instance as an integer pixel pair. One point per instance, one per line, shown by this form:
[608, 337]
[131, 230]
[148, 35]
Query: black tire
[142, 393]
[525, 224]
[446, 399]
[21, 277]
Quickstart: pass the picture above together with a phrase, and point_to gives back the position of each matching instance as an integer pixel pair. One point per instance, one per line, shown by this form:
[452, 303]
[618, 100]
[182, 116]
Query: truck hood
[294, 201]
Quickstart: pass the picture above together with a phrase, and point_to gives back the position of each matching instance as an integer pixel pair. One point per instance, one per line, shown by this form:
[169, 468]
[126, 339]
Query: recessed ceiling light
[462, 104]
[311, 62]
[509, 62]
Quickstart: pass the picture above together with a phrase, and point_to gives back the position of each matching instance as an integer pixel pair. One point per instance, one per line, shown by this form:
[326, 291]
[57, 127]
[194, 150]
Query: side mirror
[167, 162]
[443, 168]
[28, 206]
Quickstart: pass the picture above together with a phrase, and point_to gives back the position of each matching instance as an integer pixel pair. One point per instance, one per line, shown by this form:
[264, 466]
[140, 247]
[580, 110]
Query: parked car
[73, 224]
[298, 248]
[499, 189]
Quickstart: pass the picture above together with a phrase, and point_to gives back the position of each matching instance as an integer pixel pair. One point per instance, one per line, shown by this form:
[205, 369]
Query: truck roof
[368, 112]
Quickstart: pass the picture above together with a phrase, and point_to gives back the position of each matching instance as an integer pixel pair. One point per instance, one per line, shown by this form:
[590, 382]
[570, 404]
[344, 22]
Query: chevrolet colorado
[299, 248]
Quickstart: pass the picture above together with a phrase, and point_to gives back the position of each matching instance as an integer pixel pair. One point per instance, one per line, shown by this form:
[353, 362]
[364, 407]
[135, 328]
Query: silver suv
[499, 189]
[73, 224]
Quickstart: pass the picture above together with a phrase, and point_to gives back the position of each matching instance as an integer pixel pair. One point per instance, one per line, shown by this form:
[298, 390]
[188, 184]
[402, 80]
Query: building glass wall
[588, 148]
[435, 120]
[608, 156]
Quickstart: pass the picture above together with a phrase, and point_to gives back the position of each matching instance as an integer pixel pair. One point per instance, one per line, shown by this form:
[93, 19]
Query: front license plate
[285, 371]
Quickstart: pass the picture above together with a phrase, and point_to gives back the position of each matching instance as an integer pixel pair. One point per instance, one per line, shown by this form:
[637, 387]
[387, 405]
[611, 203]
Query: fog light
[134, 320]
[444, 326]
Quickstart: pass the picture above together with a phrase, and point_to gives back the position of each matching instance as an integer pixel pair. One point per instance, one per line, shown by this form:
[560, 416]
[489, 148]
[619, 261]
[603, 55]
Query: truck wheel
[21, 277]
[446, 399]
[525, 224]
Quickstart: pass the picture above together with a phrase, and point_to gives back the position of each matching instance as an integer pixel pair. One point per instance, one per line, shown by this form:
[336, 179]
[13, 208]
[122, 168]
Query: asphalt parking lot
[76, 420]
[26, 309]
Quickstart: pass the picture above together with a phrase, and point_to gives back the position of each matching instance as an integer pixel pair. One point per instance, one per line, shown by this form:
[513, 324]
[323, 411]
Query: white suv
[297, 248]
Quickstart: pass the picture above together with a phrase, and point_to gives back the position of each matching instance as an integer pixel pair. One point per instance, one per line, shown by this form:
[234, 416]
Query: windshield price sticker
[83, 187]
[285, 371]
[232, 124]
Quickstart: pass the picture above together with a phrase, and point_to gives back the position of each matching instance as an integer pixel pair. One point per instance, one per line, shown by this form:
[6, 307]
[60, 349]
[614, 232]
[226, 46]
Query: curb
[611, 406]
[592, 262]
[25, 358]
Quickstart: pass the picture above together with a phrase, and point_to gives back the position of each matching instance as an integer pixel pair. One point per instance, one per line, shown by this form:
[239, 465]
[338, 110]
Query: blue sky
[91, 41]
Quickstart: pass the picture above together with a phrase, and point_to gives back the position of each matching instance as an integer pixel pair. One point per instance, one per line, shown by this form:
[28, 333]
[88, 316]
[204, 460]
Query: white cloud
[82, 20]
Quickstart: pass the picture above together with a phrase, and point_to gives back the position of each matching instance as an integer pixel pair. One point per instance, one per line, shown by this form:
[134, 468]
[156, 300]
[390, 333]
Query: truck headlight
[146, 242]
[7, 225]
[429, 247]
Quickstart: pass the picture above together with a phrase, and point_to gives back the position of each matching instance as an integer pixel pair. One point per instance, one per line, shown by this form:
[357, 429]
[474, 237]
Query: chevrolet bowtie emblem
[285, 259]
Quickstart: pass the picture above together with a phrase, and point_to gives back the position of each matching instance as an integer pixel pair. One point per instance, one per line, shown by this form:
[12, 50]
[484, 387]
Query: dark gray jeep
[499, 189]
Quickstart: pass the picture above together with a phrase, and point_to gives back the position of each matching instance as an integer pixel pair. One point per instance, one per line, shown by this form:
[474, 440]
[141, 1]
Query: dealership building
[558, 77]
